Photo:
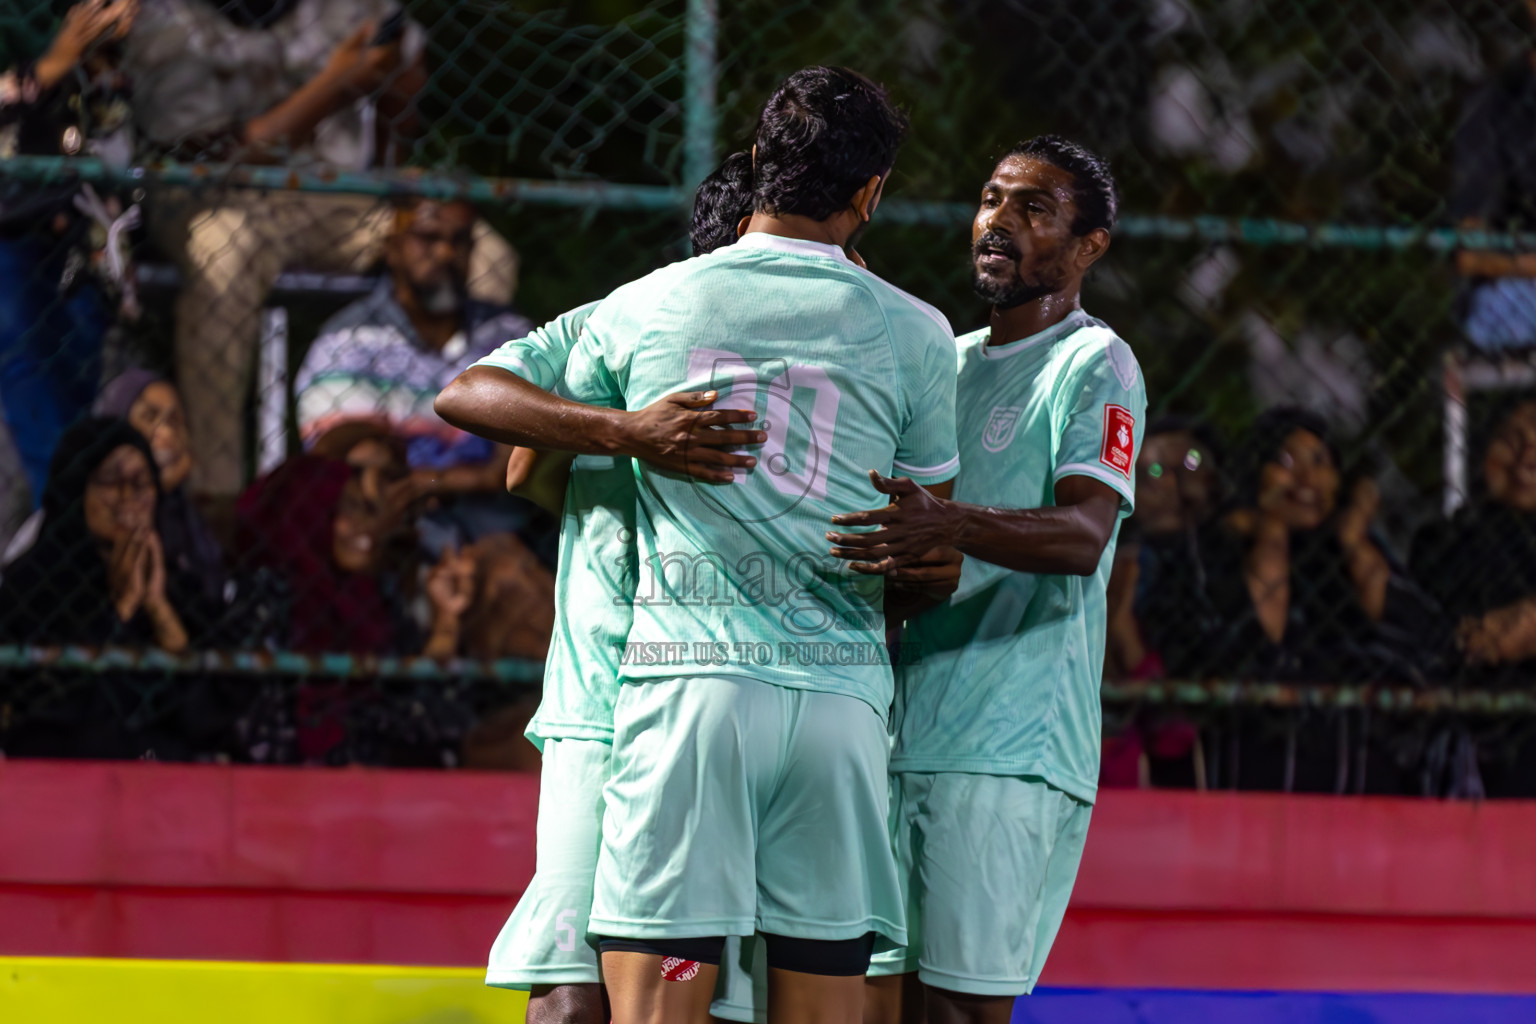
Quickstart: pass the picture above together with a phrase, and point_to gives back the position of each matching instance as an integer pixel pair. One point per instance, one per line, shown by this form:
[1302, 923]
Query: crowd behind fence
[244, 242]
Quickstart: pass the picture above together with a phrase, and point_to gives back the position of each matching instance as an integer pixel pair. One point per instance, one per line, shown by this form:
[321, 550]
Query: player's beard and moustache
[1015, 290]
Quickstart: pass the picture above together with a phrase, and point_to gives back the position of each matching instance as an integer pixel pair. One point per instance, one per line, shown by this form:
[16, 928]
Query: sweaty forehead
[1015, 173]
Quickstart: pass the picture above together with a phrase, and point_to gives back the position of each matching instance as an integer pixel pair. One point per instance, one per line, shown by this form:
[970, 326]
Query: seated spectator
[342, 543]
[1160, 612]
[57, 281]
[383, 360]
[318, 84]
[1481, 563]
[152, 406]
[1495, 190]
[97, 573]
[1309, 594]
[328, 529]
[512, 610]
[1159, 608]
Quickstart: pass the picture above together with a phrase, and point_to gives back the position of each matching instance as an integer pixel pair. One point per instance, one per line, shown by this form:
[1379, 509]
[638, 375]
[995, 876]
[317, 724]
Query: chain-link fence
[208, 225]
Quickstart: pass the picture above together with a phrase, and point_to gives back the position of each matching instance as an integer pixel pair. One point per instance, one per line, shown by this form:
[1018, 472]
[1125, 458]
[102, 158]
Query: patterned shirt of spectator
[370, 363]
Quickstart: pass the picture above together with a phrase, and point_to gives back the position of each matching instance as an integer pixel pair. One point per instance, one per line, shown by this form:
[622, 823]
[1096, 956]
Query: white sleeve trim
[1119, 484]
[947, 466]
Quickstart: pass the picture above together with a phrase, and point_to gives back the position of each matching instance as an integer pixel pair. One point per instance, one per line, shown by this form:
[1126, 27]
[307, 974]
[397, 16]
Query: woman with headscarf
[1316, 594]
[1310, 595]
[337, 536]
[97, 572]
[152, 406]
[1481, 563]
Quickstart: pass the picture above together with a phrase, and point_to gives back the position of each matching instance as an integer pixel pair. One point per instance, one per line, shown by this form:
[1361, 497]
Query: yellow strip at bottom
[69, 990]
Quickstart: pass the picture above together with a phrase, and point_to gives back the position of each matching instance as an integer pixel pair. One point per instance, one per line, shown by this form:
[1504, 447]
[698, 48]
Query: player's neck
[834, 230]
[1033, 317]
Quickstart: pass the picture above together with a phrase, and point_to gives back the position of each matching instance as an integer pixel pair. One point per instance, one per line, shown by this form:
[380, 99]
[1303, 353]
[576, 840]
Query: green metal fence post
[700, 116]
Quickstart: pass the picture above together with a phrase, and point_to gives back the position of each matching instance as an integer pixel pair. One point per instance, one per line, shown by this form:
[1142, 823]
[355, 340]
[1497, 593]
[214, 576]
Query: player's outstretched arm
[1065, 540]
[677, 433]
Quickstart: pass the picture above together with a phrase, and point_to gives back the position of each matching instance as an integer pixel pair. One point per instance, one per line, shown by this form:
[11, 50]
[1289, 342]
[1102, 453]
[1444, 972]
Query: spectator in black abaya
[96, 575]
[97, 572]
[152, 406]
[1481, 563]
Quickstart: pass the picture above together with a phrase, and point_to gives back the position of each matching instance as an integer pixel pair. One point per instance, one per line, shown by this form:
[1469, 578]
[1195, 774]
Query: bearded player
[544, 946]
[997, 724]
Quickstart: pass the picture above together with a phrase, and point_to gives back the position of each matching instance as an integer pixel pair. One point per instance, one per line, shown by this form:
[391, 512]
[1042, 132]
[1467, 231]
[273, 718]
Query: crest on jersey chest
[1001, 426]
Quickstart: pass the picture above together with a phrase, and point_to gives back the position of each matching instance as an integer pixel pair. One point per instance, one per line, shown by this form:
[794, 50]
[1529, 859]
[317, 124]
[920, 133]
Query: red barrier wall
[1211, 891]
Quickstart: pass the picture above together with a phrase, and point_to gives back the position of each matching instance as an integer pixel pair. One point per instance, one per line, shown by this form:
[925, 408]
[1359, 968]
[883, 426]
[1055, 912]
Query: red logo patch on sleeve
[1119, 449]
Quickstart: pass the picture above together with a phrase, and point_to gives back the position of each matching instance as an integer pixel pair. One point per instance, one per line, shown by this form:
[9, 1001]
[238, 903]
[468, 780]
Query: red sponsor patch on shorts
[1119, 449]
[675, 968]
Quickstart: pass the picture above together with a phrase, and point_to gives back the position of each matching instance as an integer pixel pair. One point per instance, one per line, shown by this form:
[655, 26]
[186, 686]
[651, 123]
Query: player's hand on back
[911, 526]
[682, 434]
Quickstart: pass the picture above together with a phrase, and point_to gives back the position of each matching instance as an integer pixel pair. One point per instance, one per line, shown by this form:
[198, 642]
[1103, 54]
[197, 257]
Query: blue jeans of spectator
[50, 351]
[1501, 314]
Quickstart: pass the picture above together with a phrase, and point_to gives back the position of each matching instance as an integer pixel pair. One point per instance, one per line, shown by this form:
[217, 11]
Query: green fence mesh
[1302, 184]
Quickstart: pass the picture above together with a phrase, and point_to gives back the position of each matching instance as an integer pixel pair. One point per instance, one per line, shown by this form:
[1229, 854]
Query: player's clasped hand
[911, 526]
[680, 433]
[936, 575]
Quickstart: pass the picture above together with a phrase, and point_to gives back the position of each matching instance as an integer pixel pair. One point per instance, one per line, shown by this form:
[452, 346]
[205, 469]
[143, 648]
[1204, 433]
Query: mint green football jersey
[1010, 667]
[595, 579]
[846, 374]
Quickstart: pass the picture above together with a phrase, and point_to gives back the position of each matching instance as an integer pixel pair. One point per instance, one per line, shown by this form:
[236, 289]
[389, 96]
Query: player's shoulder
[573, 320]
[647, 290]
[1094, 346]
[906, 308]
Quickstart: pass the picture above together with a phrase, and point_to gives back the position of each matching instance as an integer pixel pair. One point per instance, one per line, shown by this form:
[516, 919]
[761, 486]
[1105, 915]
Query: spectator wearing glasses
[1160, 609]
[97, 572]
[1159, 605]
[152, 405]
[383, 360]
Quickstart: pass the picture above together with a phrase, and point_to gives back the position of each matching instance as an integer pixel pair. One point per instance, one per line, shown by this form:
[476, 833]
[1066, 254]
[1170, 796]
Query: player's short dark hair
[720, 202]
[1093, 188]
[822, 135]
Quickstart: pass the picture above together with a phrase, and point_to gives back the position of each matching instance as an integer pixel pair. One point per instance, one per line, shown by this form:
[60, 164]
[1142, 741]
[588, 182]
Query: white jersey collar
[798, 246]
[1075, 319]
